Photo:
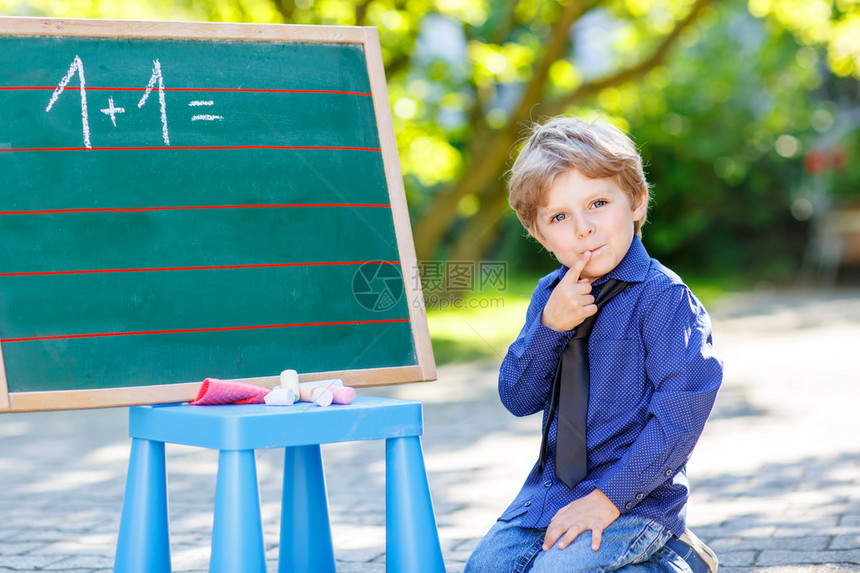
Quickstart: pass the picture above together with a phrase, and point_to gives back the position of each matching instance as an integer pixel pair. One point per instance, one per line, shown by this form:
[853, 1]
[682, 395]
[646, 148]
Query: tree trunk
[481, 230]
[491, 150]
[431, 227]
[488, 162]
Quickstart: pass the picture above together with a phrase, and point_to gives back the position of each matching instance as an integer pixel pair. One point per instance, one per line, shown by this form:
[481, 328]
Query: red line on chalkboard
[203, 268]
[192, 147]
[237, 90]
[190, 208]
[192, 330]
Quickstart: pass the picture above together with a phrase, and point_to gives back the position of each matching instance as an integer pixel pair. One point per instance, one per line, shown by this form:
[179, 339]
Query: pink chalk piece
[215, 392]
[342, 394]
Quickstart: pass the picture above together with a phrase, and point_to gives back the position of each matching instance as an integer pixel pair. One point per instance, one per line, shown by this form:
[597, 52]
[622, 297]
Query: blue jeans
[630, 544]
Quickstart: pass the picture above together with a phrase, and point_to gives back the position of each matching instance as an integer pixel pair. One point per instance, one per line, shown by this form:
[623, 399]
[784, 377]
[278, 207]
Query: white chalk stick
[327, 383]
[280, 397]
[316, 394]
[290, 379]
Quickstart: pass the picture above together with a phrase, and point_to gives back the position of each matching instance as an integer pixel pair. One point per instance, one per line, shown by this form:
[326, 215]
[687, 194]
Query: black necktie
[570, 397]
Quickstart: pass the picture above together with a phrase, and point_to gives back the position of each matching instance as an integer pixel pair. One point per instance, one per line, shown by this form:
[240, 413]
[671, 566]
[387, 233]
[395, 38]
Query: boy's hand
[593, 512]
[570, 302]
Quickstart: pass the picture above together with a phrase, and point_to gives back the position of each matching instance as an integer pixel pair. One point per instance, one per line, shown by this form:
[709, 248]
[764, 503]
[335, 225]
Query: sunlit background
[746, 111]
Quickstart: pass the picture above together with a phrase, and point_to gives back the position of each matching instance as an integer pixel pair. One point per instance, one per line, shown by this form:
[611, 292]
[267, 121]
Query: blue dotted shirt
[654, 379]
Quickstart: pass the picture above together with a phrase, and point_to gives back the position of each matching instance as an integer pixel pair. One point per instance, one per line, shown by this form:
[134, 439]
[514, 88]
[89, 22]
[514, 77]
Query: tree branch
[404, 58]
[490, 152]
[361, 12]
[285, 7]
[558, 40]
[478, 231]
[635, 71]
[481, 230]
[504, 30]
[476, 114]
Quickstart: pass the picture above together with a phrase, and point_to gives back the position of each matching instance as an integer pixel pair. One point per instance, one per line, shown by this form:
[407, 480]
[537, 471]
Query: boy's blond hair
[596, 149]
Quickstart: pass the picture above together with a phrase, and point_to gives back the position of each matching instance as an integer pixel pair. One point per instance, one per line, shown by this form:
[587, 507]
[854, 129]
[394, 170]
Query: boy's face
[582, 214]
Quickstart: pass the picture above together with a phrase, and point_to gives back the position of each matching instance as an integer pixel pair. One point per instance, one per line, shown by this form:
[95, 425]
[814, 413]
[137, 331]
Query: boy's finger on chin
[575, 270]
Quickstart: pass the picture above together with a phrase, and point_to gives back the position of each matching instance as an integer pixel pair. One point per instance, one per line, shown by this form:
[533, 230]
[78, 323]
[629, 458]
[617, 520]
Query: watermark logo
[377, 286]
[461, 284]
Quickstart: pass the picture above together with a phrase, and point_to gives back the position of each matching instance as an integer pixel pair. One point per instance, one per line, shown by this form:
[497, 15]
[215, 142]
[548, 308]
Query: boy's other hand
[571, 301]
[593, 512]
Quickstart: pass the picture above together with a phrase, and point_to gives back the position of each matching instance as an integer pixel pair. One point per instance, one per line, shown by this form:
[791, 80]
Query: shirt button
[628, 505]
[639, 496]
[668, 472]
[528, 503]
[547, 483]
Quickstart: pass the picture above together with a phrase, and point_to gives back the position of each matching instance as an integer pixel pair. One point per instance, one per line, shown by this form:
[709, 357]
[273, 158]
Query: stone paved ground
[776, 476]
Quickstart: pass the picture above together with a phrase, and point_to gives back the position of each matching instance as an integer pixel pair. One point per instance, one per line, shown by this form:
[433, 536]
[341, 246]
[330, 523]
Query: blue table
[412, 540]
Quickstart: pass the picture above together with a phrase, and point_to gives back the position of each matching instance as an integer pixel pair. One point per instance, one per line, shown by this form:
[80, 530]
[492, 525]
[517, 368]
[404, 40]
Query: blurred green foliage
[725, 98]
[722, 189]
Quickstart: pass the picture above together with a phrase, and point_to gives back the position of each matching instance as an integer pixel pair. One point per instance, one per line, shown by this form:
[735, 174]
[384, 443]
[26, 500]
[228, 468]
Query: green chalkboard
[182, 201]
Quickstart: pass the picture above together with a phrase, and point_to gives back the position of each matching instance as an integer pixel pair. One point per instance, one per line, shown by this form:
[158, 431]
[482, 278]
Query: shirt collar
[633, 267]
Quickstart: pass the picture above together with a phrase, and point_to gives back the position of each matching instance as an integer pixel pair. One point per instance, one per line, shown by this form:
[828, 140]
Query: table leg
[143, 545]
[237, 532]
[306, 543]
[412, 539]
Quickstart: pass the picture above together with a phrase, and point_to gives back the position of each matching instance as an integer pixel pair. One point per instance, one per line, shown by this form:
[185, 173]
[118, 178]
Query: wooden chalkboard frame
[367, 37]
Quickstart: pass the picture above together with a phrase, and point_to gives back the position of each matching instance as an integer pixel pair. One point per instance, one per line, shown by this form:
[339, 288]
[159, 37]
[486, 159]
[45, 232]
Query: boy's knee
[481, 562]
[505, 548]
[578, 557]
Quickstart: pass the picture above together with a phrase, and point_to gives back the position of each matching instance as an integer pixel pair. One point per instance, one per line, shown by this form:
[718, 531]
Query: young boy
[580, 190]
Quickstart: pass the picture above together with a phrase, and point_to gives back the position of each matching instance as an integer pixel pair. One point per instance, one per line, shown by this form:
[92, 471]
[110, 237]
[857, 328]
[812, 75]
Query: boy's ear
[640, 209]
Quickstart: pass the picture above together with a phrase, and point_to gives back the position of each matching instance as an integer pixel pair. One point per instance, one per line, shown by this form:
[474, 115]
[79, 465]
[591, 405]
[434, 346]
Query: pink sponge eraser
[342, 394]
[214, 392]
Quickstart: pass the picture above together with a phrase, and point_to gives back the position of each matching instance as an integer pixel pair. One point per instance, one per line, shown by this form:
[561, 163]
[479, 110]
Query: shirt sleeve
[526, 374]
[686, 375]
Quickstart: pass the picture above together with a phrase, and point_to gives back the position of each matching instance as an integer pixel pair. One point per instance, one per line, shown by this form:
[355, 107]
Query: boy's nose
[583, 227]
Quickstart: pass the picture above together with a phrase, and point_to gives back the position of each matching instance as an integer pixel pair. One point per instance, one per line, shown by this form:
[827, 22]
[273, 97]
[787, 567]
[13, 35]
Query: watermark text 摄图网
[461, 276]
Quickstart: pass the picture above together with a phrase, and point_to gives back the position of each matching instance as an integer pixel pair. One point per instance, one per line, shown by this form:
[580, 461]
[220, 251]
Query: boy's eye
[558, 217]
[599, 203]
